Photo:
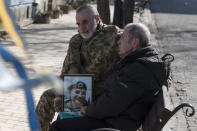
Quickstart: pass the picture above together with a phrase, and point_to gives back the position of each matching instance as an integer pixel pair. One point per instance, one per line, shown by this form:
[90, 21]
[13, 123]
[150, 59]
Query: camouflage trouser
[45, 109]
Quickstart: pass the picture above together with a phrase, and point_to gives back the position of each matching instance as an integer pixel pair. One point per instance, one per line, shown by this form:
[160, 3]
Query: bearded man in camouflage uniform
[92, 51]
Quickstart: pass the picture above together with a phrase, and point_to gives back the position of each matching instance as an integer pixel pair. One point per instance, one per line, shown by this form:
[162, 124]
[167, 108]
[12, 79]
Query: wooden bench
[160, 113]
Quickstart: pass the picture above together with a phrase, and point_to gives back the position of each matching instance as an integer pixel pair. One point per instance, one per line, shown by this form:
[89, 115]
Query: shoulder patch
[99, 44]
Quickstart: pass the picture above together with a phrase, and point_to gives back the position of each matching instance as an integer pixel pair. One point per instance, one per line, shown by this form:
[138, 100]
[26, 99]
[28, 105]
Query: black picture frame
[77, 92]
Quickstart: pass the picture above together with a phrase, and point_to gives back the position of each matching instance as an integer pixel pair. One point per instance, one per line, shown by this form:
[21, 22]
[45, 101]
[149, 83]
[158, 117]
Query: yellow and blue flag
[10, 24]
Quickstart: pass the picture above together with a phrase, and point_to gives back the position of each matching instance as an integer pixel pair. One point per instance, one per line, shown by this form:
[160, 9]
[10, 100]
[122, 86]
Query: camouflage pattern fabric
[45, 109]
[96, 56]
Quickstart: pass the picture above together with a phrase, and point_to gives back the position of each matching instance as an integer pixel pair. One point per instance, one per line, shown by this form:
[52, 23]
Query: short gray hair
[140, 31]
[89, 8]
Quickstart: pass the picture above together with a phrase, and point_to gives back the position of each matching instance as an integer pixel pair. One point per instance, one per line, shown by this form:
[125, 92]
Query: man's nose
[79, 95]
[118, 42]
[82, 27]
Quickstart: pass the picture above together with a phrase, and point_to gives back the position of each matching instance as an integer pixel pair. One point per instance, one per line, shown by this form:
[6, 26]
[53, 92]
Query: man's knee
[46, 100]
[52, 127]
[48, 93]
[45, 110]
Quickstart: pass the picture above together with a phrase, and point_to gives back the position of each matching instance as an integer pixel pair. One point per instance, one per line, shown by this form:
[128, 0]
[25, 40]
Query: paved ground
[176, 33]
[48, 44]
[47, 48]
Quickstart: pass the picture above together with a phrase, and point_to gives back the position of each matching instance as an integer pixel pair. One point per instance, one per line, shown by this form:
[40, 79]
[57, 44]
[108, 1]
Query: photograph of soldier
[77, 93]
[77, 96]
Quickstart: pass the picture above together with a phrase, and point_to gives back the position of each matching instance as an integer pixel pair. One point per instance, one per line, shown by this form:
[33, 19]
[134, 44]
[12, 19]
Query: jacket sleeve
[114, 101]
[72, 61]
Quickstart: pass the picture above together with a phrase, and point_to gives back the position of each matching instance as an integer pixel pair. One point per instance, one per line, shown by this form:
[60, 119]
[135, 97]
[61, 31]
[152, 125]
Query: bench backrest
[158, 115]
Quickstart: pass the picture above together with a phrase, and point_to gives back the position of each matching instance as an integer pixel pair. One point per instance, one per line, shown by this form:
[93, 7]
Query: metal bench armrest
[188, 106]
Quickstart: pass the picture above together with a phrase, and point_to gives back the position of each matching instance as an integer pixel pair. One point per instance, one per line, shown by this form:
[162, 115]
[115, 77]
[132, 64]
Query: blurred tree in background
[128, 11]
[104, 11]
[123, 11]
[118, 13]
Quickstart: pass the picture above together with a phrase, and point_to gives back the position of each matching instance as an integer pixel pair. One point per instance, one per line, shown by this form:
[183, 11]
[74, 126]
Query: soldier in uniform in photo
[77, 96]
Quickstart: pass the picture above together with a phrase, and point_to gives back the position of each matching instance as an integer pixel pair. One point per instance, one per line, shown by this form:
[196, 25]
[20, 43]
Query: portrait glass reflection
[77, 93]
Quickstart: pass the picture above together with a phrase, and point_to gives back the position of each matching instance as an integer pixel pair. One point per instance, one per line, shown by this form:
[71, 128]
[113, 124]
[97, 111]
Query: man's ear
[136, 43]
[97, 19]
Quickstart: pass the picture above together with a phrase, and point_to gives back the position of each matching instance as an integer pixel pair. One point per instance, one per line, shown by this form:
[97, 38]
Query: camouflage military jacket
[96, 55]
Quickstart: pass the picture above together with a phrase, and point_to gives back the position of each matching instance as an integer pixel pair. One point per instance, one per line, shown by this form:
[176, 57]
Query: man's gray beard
[89, 35]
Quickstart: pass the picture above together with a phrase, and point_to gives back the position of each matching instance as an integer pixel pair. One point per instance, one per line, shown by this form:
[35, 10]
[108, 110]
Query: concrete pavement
[176, 24]
[48, 44]
[178, 122]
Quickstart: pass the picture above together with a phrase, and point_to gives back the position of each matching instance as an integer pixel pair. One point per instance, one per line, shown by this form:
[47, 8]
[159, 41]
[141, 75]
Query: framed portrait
[77, 93]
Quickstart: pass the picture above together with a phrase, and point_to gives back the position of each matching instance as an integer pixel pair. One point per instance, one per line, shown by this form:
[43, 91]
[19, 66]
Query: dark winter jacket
[130, 90]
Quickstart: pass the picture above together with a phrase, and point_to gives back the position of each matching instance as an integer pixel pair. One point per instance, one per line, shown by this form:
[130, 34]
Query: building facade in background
[25, 10]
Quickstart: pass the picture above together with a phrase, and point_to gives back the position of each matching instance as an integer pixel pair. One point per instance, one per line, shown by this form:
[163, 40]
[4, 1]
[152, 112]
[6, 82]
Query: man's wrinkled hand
[58, 104]
[83, 110]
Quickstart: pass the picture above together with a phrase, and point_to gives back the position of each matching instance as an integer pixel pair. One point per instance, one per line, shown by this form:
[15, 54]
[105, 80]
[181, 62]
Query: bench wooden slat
[154, 121]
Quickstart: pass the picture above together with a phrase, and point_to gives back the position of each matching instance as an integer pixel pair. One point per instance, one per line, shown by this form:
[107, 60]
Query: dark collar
[139, 53]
